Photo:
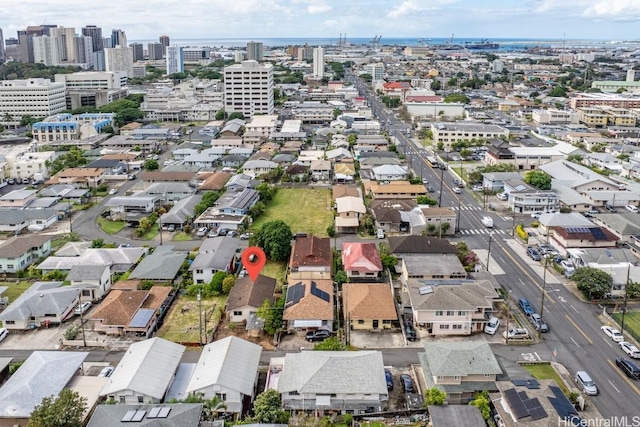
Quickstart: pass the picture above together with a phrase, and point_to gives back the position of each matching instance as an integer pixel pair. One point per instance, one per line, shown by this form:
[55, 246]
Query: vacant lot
[182, 322]
[631, 322]
[15, 289]
[546, 372]
[304, 210]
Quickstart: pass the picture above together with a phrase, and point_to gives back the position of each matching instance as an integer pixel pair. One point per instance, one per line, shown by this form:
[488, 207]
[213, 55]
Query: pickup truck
[487, 222]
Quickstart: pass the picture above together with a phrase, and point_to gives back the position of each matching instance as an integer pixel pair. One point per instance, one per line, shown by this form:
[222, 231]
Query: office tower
[84, 50]
[119, 59]
[248, 88]
[96, 36]
[138, 51]
[106, 42]
[46, 51]
[93, 88]
[175, 60]
[165, 42]
[238, 56]
[156, 51]
[32, 97]
[255, 51]
[2, 54]
[118, 39]
[12, 49]
[318, 62]
[97, 59]
[631, 75]
[305, 53]
[64, 39]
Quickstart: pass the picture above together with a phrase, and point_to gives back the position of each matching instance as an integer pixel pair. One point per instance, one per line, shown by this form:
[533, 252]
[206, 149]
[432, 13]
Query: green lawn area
[546, 372]
[275, 270]
[15, 289]
[631, 322]
[110, 227]
[304, 210]
[181, 324]
[151, 234]
[182, 237]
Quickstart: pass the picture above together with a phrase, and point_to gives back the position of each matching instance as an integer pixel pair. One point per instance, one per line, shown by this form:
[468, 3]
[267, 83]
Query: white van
[3, 333]
[380, 233]
[632, 208]
[516, 334]
[586, 384]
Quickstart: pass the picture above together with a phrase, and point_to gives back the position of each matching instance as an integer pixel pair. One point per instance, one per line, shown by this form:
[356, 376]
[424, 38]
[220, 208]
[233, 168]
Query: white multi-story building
[554, 117]
[448, 133]
[65, 127]
[119, 59]
[318, 62]
[376, 70]
[93, 88]
[32, 97]
[175, 60]
[248, 88]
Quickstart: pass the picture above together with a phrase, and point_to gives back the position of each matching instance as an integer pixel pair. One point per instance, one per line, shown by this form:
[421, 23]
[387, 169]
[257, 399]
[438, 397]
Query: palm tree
[211, 408]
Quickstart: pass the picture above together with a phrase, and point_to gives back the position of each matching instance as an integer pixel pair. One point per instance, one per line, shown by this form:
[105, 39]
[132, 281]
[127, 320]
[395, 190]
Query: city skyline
[555, 19]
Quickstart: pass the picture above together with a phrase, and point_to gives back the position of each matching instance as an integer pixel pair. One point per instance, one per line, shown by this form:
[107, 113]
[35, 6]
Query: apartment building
[448, 133]
[248, 88]
[65, 127]
[93, 88]
[175, 60]
[554, 117]
[32, 97]
[600, 99]
[376, 71]
[255, 51]
[603, 116]
[318, 62]
[119, 59]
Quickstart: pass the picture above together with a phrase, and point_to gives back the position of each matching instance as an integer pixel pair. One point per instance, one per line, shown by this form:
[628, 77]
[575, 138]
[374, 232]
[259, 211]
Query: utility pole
[489, 250]
[624, 303]
[70, 222]
[200, 317]
[441, 184]
[84, 339]
[506, 338]
[544, 285]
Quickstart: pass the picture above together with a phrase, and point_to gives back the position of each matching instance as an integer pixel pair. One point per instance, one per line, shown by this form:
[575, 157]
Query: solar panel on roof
[294, 294]
[319, 292]
[138, 416]
[531, 403]
[128, 416]
[538, 413]
[153, 413]
[425, 290]
[515, 403]
[142, 317]
[164, 412]
[532, 384]
[598, 234]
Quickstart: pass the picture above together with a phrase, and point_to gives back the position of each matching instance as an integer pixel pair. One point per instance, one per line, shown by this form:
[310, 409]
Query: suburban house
[181, 213]
[384, 173]
[344, 172]
[119, 259]
[149, 177]
[583, 237]
[396, 216]
[126, 310]
[347, 381]
[361, 261]
[81, 177]
[163, 265]
[44, 304]
[43, 374]
[132, 206]
[369, 306]
[396, 190]
[215, 254]
[247, 296]
[311, 258]
[18, 199]
[19, 252]
[227, 369]
[237, 203]
[435, 220]
[320, 170]
[144, 373]
[460, 369]
[309, 304]
[94, 280]
[526, 199]
[169, 415]
[448, 307]
[169, 192]
[257, 168]
[349, 209]
[494, 181]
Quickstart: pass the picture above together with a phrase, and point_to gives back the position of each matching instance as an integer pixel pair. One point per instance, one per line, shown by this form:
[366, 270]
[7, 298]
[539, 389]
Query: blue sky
[192, 19]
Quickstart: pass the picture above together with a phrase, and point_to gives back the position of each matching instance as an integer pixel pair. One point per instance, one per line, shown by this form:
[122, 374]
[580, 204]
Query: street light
[489, 250]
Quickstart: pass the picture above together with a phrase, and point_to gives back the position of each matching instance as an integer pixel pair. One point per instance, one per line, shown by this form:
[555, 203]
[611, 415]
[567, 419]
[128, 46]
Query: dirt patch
[239, 330]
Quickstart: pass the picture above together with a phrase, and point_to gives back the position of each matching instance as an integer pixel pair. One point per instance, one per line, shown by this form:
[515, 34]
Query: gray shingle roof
[15, 246]
[461, 358]
[162, 264]
[41, 298]
[216, 253]
[181, 415]
[86, 272]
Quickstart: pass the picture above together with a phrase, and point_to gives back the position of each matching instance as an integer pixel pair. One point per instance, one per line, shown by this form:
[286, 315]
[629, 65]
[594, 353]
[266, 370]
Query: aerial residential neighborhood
[447, 230]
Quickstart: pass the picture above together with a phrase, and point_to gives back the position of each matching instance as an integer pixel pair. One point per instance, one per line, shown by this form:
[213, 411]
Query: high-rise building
[2, 54]
[156, 51]
[106, 42]
[175, 59]
[138, 51]
[96, 36]
[32, 97]
[12, 49]
[84, 50]
[119, 59]
[318, 62]
[165, 42]
[305, 53]
[46, 51]
[248, 88]
[255, 51]
[64, 38]
[93, 88]
[118, 38]
[25, 38]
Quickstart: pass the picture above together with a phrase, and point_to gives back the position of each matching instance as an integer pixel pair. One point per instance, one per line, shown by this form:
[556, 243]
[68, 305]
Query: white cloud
[319, 8]
[626, 10]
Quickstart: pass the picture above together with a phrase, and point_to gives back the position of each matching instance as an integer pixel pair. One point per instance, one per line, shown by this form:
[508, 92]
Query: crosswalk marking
[468, 208]
[482, 231]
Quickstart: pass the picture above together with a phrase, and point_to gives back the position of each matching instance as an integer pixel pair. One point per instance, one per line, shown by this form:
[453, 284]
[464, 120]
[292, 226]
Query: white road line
[608, 343]
[574, 309]
[616, 388]
[546, 309]
[539, 358]
[574, 341]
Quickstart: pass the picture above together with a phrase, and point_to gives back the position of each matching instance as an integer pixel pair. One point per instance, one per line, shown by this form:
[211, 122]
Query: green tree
[215, 285]
[391, 101]
[436, 85]
[221, 114]
[275, 239]
[267, 408]
[366, 77]
[482, 402]
[272, 315]
[558, 92]
[538, 179]
[228, 283]
[426, 200]
[66, 410]
[266, 192]
[435, 396]
[592, 282]
[150, 165]
[97, 243]
[460, 98]
[330, 344]
[236, 115]
[341, 277]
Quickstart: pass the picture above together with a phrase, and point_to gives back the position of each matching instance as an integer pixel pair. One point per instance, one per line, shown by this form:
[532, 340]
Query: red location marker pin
[253, 259]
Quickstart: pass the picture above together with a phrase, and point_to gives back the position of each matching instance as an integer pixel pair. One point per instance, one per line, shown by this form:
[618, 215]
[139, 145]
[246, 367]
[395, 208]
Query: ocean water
[504, 43]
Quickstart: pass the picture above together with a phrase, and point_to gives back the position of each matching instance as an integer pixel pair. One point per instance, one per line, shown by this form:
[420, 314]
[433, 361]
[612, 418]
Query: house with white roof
[145, 372]
[215, 254]
[256, 168]
[604, 161]
[529, 158]
[390, 172]
[349, 209]
[227, 369]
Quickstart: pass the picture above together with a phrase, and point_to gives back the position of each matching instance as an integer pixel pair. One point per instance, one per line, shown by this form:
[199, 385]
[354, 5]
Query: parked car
[106, 372]
[407, 383]
[503, 196]
[525, 306]
[478, 188]
[202, 232]
[533, 254]
[612, 333]
[631, 350]
[171, 228]
[629, 368]
[11, 181]
[611, 208]
[538, 323]
[410, 331]
[223, 231]
[492, 326]
[232, 233]
[246, 236]
[516, 334]
[567, 268]
[632, 208]
[389, 378]
[380, 233]
[457, 190]
[113, 191]
[536, 215]
[213, 233]
[105, 214]
[82, 308]
[318, 335]
[4, 332]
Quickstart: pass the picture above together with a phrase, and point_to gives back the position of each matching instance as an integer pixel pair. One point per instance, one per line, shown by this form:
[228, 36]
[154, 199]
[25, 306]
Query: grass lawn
[15, 289]
[546, 372]
[182, 237]
[275, 270]
[151, 234]
[631, 322]
[110, 227]
[181, 324]
[304, 210]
